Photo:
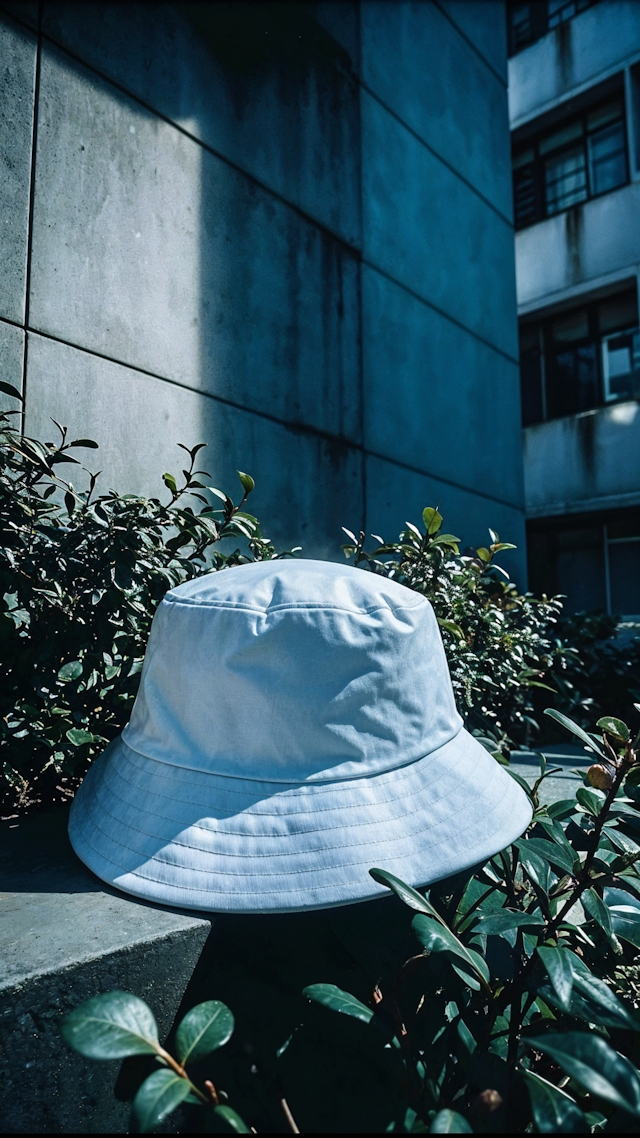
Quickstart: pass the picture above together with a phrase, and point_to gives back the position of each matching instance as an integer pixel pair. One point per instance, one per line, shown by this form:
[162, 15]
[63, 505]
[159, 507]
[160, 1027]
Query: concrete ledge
[557, 786]
[65, 936]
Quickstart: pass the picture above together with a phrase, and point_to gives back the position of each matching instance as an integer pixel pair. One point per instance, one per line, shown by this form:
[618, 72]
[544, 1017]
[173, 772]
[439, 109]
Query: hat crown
[293, 671]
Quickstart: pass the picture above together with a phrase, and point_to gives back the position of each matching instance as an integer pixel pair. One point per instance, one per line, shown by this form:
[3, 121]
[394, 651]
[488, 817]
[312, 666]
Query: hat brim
[196, 840]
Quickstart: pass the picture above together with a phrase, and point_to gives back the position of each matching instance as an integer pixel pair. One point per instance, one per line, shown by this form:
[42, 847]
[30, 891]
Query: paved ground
[557, 786]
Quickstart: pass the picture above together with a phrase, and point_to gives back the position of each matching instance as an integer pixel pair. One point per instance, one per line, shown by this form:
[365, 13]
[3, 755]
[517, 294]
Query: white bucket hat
[295, 726]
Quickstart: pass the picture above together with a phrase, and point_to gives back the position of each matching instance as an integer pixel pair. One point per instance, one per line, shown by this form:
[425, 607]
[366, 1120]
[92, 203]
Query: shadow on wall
[161, 256]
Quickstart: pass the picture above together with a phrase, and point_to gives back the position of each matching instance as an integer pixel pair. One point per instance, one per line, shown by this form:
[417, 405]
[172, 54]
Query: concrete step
[66, 936]
[556, 786]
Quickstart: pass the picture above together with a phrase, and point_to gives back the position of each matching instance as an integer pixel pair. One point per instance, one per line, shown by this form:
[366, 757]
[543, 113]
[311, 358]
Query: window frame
[541, 21]
[543, 328]
[538, 163]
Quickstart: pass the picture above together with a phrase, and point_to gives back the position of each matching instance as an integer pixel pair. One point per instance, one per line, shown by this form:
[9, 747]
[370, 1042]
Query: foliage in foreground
[516, 1007]
[81, 576]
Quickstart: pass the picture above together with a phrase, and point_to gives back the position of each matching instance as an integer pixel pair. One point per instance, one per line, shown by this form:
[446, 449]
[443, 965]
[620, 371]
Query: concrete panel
[17, 83]
[413, 57]
[24, 10]
[583, 462]
[149, 249]
[575, 54]
[64, 937]
[342, 21]
[396, 495]
[585, 243]
[434, 394]
[429, 231]
[269, 90]
[11, 365]
[307, 487]
[485, 25]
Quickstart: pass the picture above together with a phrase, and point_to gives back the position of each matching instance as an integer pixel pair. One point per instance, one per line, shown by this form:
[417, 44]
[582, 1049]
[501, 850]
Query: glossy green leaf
[624, 910]
[435, 937]
[596, 908]
[559, 856]
[553, 1110]
[223, 1120]
[332, 997]
[614, 727]
[503, 920]
[78, 736]
[590, 800]
[203, 1029]
[449, 1122]
[557, 963]
[406, 893]
[70, 671]
[111, 1026]
[158, 1096]
[595, 1065]
[576, 730]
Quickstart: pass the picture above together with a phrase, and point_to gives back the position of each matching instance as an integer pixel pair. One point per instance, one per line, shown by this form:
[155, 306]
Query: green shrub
[80, 579]
[501, 644]
[504, 999]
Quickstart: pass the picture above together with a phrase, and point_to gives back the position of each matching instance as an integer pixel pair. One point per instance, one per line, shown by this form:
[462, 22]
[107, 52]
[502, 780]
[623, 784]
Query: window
[570, 164]
[594, 560]
[527, 22]
[580, 359]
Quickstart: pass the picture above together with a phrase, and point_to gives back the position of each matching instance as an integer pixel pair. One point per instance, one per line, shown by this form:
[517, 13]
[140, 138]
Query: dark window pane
[521, 30]
[525, 206]
[607, 158]
[572, 383]
[619, 312]
[580, 575]
[531, 386]
[624, 570]
[565, 179]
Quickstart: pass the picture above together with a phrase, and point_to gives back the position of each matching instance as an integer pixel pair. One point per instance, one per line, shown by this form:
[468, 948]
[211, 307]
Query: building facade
[574, 100]
[281, 229]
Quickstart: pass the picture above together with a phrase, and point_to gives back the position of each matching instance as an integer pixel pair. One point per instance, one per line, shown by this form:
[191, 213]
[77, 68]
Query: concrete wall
[574, 465]
[284, 230]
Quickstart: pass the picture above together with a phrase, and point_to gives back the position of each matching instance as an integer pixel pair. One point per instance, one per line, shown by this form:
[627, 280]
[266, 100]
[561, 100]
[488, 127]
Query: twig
[288, 1115]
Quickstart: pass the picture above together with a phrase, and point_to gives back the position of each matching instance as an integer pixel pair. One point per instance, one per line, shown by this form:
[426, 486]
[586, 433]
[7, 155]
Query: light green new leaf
[432, 520]
[161, 1093]
[203, 1029]
[247, 482]
[554, 1111]
[339, 1001]
[595, 1065]
[111, 1026]
[449, 1122]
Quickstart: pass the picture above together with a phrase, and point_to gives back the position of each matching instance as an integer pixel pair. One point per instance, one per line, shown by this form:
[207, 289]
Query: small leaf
[78, 736]
[158, 1096]
[84, 443]
[451, 627]
[111, 1026]
[432, 520]
[595, 1065]
[70, 671]
[553, 1110]
[559, 970]
[170, 482]
[449, 1122]
[247, 482]
[332, 997]
[573, 727]
[205, 1028]
[483, 554]
[614, 727]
